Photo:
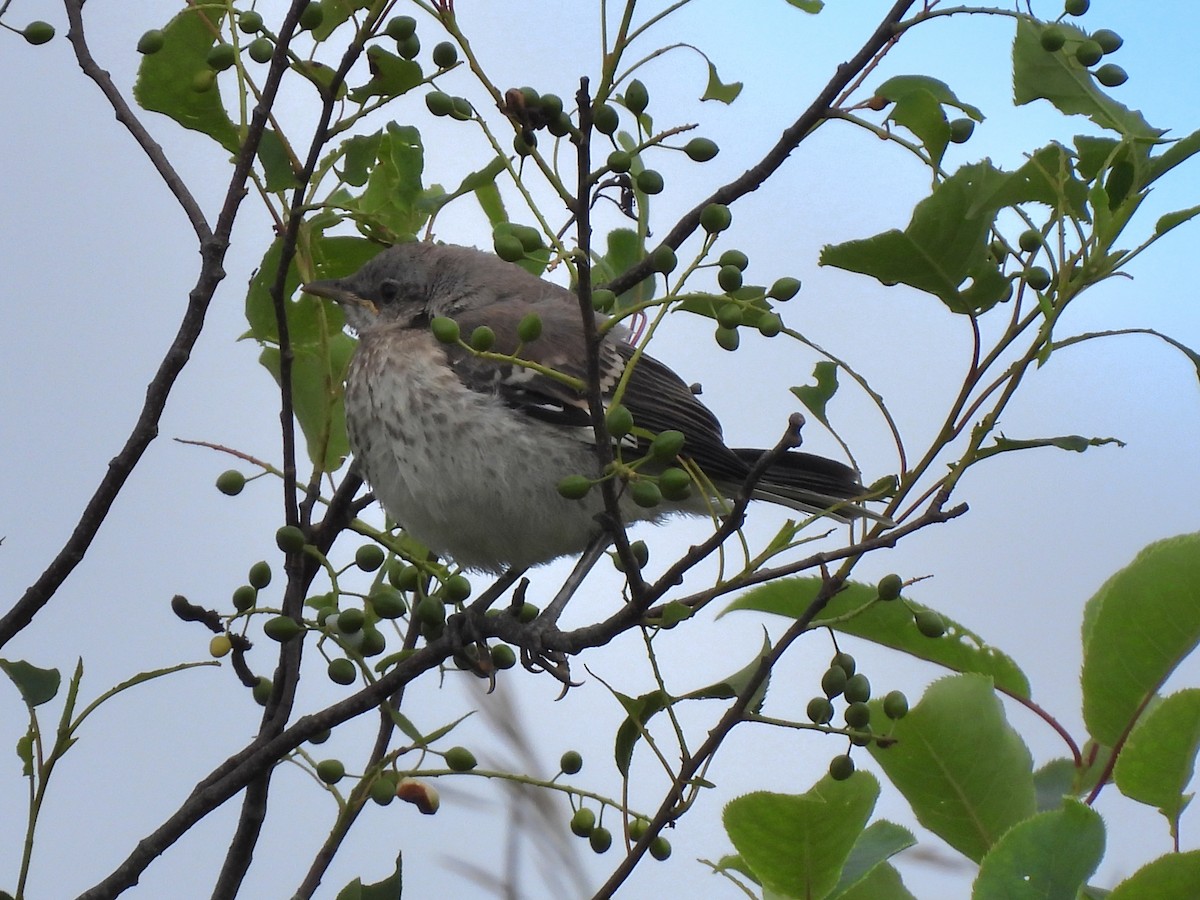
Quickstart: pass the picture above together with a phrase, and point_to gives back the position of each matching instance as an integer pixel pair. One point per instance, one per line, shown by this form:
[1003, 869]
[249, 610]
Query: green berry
[603, 300]
[637, 828]
[1052, 38]
[930, 623]
[444, 329]
[403, 577]
[1030, 240]
[889, 587]
[262, 690]
[701, 149]
[219, 646]
[637, 98]
[649, 182]
[618, 420]
[203, 81]
[445, 55]
[342, 671]
[735, 258]
[38, 32]
[574, 487]
[409, 47]
[605, 118]
[858, 689]
[820, 710]
[462, 109]
[387, 603]
[1088, 53]
[261, 50]
[1076, 7]
[1111, 75]
[259, 575]
[841, 767]
[729, 278]
[769, 324]
[530, 238]
[727, 338]
[961, 130]
[619, 161]
[430, 611]
[529, 329]
[383, 790]
[527, 613]
[311, 16]
[600, 839]
[282, 628]
[331, 771]
[715, 218]
[351, 620]
[583, 822]
[400, 27]
[320, 737]
[456, 589]
[289, 539]
[784, 289]
[666, 445]
[660, 848]
[508, 247]
[833, 682]
[503, 656]
[482, 339]
[846, 661]
[249, 22]
[439, 103]
[460, 759]
[645, 494]
[675, 484]
[895, 705]
[552, 106]
[571, 762]
[663, 260]
[641, 556]
[151, 42]
[1108, 40]
[857, 715]
[231, 482]
[560, 125]
[369, 557]
[729, 315]
[1037, 278]
[221, 57]
[524, 144]
[244, 598]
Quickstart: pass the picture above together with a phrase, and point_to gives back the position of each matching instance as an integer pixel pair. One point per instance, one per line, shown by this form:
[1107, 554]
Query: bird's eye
[389, 290]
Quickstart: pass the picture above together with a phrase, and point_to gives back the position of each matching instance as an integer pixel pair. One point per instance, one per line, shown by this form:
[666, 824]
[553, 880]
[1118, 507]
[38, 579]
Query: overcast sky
[97, 261]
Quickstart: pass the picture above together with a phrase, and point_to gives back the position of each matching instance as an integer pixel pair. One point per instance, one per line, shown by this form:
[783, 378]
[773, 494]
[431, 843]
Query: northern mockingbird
[466, 453]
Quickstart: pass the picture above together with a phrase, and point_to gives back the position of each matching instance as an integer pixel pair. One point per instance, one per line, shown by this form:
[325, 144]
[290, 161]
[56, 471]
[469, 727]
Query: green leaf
[638, 711]
[1066, 83]
[391, 202]
[391, 76]
[37, 686]
[1174, 219]
[164, 79]
[815, 397]
[337, 12]
[877, 844]
[1047, 857]
[1137, 628]
[901, 86]
[318, 374]
[278, 174]
[1157, 762]
[25, 752]
[1073, 442]
[883, 883]
[1054, 781]
[888, 624]
[717, 89]
[796, 845]
[728, 688]
[625, 248]
[808, 6]
[474, 182]
[1170, 877]
[358, 157]
[491, 203]
[1177, 152]
[920, 113]
[390, 888]
[935, 764]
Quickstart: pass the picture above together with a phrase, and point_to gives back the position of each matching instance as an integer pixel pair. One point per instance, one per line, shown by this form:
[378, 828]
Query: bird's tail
[811, 484]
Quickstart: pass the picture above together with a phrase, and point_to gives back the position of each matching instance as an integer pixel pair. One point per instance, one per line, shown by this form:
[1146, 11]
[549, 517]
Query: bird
[466, 450]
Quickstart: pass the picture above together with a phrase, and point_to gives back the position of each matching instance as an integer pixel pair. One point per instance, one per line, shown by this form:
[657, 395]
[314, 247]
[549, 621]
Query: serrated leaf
[816, 397]
[796, 845]
[935, 764]
[1053, 782]
[901, 86]
[358, 157]
[1176, 153]
[37, 686]
[391, 888]
[1157, 762]
[1137, 628]
[391, 202]
[1076, 443]
[335, 13]
[1170, 877]
[889, 624]
[882, 883]
[728, 688]
[1049, 856]
[278, 174]
[474, 182]
[920, 112]
[391, 76]
[719, 90]
[879, 842]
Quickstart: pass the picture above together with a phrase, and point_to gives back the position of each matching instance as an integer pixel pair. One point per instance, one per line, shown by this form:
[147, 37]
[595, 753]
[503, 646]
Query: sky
[97, 261]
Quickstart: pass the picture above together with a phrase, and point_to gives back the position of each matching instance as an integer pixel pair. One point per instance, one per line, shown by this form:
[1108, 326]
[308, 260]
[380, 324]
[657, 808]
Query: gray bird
[466, 453]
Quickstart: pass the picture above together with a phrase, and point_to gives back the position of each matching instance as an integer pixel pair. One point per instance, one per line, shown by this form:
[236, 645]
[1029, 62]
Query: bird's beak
[336, 290]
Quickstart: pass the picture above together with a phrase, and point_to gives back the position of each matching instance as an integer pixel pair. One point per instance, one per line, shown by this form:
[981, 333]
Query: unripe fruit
[331, 771]
[833, 682]
[444, 329]
[735, 258]
[637, 828]
[261, 50]
[930, 623]
[530, 238]
[729, 315]
[552, 106]
[675, 484]
[701, 149]
[221, 57]
[387, 603]
[637, 98]
[482, 339]
[249, 22]
[403, 577]
[618, 420]
[400, 27]
[311, 17]
[660, 848]
[456, 589]
[889, 587]
[462, 109]
[666, 445]
[857, 715]
[445, 55]
[373, 642]
[150, 42]
[409, 47]
[1052, 38]
[527, 613]
[1076, 7]
[38, 32]
[571, 762]
[729, 278]
[560, 125]
[645, 494]
[369, 557]
[600, 839]
[605, 119]
[1037, 278]
[342, 671]
[895, 705]
[649, 182]
[583, 822]
[289, 539]
[1030, 240]
[641, 556]
[841, 767]
[820, 710]
[619, 161]
[219, 646]
[244, 598]
[961, 130]
[727, 338]
[846, 661]
[259, 575]
[204, 80]
[430, 611]
[439, 103]
[857, 689]
[383, 790]
[503, 656]
[715, 218]
[784, 289]
[1111, 75]
[663, 260]
[603, 300]
[320, 737]
[1108, 40]
[281, 628]
[508, 247]
[523, 145]
[1088, 53]
[529, 329]
[350, 620]
[460, 759]
[262, 690]
[231, 482]
[574, 487]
